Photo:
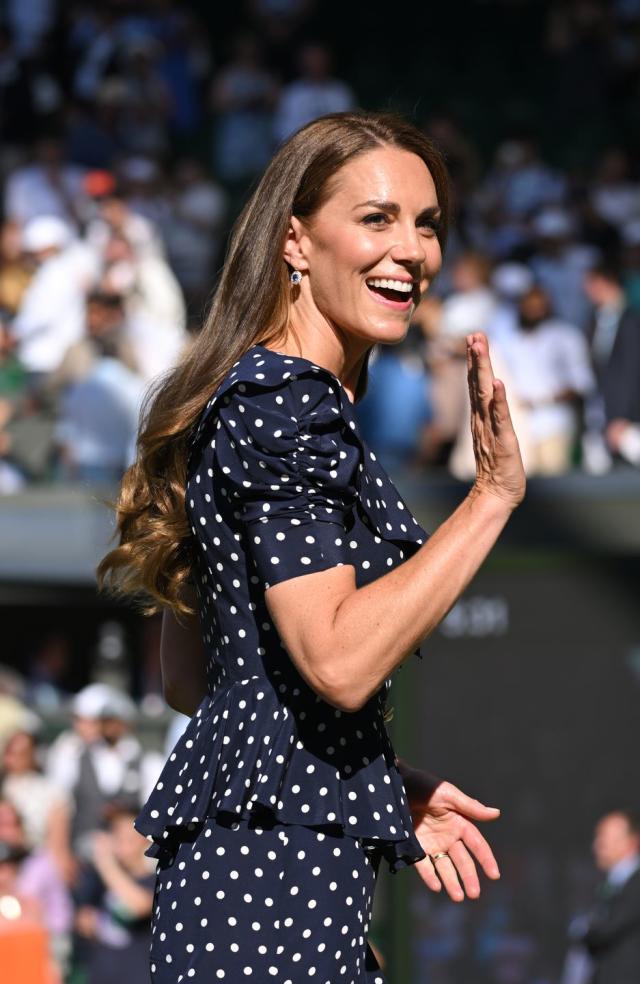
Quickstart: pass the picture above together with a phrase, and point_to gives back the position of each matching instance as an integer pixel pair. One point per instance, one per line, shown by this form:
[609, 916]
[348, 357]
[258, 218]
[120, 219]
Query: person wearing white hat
[51, 315]
[101, 758]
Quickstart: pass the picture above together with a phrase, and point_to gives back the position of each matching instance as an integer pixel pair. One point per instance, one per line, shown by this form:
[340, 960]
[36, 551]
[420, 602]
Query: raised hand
[442, 817]
[499, 467]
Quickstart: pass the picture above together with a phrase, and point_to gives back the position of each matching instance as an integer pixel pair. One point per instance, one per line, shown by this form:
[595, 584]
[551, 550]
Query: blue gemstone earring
[296, 277]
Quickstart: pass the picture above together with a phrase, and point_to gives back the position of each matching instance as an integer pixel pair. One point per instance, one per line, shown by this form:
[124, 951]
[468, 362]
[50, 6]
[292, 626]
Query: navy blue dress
[275, 809]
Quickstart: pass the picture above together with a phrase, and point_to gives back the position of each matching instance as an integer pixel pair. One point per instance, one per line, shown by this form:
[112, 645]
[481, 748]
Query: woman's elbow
[340, 692]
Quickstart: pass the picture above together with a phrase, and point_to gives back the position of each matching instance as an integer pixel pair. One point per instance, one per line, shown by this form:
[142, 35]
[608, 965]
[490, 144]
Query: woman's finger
[428, 874]
[483, 371]
[449, 877]
[479, 847]
[466, 869]
[470, 807]
[500, 411]
[471, 378]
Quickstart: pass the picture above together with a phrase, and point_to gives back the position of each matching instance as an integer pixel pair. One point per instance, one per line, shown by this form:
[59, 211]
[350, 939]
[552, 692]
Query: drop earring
[296, 277]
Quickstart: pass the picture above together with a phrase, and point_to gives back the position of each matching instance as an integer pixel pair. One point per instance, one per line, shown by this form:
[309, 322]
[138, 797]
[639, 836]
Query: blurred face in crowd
[19, 754]
[470, 272]
[104, 315]
[534, 308]
[614, 841]
[11, 831]
[128, 844]
[370, 251]
[601, 290]
[89, 729]
[113, 729]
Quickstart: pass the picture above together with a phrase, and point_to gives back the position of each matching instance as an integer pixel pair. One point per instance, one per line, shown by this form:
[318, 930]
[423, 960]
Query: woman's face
[19, 754]
[371, 250]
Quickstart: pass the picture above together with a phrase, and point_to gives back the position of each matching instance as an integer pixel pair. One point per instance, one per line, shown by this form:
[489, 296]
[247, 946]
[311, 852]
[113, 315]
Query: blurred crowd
[76, 888]
[127, 145]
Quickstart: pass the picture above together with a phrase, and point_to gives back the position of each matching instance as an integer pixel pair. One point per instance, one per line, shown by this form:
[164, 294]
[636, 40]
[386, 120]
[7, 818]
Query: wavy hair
[153, 559]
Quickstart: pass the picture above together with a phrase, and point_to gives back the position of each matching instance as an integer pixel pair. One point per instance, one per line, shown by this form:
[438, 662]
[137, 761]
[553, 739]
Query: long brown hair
[251, 304]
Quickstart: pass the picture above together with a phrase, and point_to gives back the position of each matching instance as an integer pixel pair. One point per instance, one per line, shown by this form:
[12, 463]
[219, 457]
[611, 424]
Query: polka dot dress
[268, 776]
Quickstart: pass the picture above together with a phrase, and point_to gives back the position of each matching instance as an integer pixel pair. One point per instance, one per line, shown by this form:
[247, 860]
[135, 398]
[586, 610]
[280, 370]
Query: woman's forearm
[377, 627]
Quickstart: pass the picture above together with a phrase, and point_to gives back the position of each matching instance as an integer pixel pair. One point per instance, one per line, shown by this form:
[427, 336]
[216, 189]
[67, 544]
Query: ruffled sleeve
[286, 461]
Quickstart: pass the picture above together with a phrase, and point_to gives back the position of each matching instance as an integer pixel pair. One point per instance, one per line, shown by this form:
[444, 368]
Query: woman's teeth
[403, 286]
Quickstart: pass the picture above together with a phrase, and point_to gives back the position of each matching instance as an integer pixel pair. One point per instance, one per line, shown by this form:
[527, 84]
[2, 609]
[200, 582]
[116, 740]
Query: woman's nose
[409, 247]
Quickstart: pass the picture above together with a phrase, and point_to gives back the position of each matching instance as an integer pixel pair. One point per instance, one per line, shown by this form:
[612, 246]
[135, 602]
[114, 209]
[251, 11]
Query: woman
[313, 580]
[45, 809]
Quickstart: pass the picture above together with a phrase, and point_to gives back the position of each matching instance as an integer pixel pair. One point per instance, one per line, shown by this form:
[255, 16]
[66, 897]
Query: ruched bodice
[281, 484]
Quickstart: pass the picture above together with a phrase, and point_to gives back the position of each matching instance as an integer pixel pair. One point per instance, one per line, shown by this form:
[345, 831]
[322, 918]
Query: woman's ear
[294, 246]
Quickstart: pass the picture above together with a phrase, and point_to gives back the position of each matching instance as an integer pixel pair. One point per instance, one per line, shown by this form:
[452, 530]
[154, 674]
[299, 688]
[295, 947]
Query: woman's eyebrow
[429, 212]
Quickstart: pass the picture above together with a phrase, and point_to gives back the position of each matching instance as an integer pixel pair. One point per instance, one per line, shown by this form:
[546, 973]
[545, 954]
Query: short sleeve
[283, 458]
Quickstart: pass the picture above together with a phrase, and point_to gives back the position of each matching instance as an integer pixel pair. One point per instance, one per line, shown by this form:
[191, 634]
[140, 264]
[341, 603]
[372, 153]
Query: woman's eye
[376, 218]
[431, 225]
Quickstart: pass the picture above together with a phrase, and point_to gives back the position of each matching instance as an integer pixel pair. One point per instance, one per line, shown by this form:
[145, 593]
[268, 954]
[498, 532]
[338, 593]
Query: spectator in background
[560, 263]
[105, 337]
[630, 262]
[38, 878]
[242, 97]
[46, 186]
[44, 808]
[115, 899]
[615, 351]
[315, 93]
[51, 314]
[30, 22]
[15, 270]
[110, 214]
[551, 375]
[97, 392]
[613, 934]
[100, 759]
[94, 42]
[184, 64]
[146, 105]
[615, 197]
[396, 405]
[519, 182]
[97, 423]
[155, 323]
[194, 234]
[13, 392]
[142, 184]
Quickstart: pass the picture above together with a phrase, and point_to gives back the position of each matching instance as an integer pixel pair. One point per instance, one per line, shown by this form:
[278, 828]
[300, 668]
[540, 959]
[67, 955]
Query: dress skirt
[258, 900]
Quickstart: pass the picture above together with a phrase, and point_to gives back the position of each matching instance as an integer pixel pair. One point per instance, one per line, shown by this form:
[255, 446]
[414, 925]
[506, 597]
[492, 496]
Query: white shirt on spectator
[544, 361]
[51, 316]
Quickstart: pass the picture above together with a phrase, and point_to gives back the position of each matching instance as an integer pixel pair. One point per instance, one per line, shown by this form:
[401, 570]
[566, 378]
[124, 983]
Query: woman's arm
[346, 641]
[182, 660]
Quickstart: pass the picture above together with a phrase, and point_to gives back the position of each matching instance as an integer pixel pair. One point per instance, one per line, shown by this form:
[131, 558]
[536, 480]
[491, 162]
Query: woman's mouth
[396, 294]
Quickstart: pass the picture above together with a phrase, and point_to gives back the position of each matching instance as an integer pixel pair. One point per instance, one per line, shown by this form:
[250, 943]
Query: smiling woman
[313, 580]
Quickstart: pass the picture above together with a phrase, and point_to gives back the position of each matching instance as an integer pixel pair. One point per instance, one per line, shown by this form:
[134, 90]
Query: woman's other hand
[442, 818]
[499, 468]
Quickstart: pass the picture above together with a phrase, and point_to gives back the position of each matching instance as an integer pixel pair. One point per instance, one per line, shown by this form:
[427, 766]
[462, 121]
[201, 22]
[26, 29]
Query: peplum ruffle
[216, 766]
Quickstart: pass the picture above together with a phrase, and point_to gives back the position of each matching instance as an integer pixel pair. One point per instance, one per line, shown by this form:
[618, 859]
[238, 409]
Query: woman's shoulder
[266, 387]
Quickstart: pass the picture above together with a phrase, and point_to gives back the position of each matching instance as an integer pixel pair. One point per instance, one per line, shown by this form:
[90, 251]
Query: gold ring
[436, 857]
